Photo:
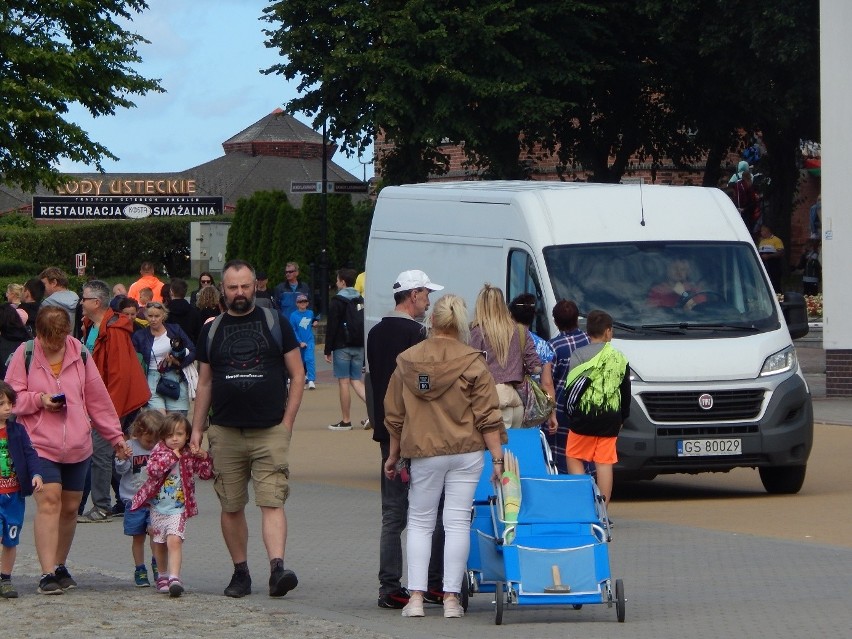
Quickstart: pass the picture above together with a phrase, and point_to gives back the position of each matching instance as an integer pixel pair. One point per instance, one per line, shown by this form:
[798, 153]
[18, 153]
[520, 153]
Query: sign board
[69, 207]
[81, 260]
[350, 187]
[306, 187]
[333, 187]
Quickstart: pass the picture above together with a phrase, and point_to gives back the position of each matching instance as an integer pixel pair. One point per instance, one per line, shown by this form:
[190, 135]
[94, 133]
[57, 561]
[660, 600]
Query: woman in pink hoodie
[61, 396]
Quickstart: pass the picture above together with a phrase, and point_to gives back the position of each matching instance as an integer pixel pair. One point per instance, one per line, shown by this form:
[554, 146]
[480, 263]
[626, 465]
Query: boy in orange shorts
[597, 402]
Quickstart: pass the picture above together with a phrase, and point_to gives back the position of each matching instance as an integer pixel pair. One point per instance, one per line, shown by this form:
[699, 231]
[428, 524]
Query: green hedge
[112, 248]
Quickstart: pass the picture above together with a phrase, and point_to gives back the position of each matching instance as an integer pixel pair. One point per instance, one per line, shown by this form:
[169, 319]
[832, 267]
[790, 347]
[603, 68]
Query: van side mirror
[795, 313]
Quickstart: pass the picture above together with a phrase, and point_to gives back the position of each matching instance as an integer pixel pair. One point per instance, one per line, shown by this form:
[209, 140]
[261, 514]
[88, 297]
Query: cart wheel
[464, 595]
[499, 596]
[620, 601]
[577, 606]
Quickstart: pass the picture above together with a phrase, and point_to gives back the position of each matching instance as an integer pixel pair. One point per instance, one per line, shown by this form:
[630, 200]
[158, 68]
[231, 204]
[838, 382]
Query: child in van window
[597, 402]
[19, 476]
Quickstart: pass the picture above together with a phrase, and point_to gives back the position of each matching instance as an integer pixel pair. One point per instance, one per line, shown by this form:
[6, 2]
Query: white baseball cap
[409, 280]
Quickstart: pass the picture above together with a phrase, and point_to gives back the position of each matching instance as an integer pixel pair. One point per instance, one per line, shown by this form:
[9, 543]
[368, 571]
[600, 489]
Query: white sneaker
[340, 426]
[311, 386]
[452, 607]
[414, 608]
[366, 425]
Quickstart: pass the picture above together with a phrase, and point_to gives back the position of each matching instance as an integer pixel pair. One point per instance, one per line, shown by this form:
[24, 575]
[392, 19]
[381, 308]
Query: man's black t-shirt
[249, 388]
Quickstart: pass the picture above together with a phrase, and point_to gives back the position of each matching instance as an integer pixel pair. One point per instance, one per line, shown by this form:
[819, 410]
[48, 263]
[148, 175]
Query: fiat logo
[705, 401]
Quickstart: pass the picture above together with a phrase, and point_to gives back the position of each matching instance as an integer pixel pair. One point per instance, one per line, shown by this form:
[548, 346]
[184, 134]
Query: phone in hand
[58, 399]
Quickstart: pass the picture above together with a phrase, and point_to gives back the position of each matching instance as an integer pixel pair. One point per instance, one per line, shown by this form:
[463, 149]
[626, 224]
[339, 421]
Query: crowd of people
[129, 396]
[96, 400]
[750, 204]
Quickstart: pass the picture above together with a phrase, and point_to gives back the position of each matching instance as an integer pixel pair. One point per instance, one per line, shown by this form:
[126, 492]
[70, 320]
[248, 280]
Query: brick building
[543, 166]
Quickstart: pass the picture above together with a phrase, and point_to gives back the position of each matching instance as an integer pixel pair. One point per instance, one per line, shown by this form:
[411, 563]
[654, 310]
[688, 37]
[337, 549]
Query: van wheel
[782, 480]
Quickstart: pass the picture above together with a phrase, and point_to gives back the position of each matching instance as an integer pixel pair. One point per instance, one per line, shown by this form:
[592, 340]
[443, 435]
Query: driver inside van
[678, 291]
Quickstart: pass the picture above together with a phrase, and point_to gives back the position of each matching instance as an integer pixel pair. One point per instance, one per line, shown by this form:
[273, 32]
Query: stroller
[555, 550]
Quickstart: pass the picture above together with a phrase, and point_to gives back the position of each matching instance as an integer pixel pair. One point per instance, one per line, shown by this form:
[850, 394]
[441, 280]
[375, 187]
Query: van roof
[568, 212]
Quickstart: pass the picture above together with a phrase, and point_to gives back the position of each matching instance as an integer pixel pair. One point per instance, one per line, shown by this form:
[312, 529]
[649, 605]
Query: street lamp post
[323, 262]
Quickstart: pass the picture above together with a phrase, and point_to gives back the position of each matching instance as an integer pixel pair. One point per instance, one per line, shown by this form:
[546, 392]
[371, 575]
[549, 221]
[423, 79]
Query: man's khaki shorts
[256, 454]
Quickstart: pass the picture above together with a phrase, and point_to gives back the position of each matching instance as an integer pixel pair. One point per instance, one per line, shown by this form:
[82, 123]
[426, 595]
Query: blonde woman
[495, 332]
[208, 303]
[14, 293]
[441, 412]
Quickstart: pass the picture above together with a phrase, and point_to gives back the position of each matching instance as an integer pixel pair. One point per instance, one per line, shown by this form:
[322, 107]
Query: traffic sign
[80, 259]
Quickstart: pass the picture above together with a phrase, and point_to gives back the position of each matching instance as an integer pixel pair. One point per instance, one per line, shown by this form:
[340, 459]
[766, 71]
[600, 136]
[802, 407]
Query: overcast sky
[207, 54]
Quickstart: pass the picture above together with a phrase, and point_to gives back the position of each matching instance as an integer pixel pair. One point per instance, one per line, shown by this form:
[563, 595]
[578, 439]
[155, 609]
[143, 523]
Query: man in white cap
[396, 332]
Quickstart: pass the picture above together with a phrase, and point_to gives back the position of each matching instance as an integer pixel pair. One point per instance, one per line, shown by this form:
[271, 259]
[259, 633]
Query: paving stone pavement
[680, 581]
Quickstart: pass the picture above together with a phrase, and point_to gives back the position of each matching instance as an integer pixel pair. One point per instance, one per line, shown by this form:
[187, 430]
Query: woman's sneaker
[341, 425]
[66, 581]
[414, 607]
[48, 585]
[452, 607]
[311, 386]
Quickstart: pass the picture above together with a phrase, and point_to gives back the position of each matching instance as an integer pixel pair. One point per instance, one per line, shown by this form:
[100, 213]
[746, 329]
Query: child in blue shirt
[19, 476]
[302, 320]
[144, 435]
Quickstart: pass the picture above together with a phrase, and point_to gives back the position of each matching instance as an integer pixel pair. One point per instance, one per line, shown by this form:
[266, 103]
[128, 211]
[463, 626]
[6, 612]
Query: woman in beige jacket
[442, 412]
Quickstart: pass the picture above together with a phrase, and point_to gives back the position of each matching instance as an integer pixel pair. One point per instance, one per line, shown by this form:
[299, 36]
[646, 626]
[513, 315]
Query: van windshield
[666, 288]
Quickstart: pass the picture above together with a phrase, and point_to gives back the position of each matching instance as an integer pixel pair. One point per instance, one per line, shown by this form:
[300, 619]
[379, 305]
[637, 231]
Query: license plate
[709, 447]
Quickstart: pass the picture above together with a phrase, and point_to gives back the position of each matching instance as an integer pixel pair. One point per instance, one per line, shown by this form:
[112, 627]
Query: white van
[715, 387]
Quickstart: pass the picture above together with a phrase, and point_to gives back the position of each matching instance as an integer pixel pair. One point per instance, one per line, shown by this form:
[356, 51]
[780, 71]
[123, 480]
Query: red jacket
[116, 360]
[160, 462]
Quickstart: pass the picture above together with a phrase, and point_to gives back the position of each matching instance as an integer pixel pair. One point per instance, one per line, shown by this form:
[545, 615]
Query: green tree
[52, 54]
[429, 72]
[736, 65]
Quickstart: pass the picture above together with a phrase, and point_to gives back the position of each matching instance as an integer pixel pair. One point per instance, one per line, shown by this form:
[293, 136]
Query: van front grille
[728, 405]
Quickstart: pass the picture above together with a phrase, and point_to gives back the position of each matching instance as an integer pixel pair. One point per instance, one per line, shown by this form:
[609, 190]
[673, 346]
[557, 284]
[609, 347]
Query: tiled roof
[278, 126]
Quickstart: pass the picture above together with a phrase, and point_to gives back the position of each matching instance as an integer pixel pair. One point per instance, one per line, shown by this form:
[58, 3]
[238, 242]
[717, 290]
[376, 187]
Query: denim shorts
[71, 476]
[136, 521]
[11, 518]
[348, 362]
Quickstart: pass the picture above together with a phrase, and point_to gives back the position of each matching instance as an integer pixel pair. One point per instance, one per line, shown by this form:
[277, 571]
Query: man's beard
[242, 304]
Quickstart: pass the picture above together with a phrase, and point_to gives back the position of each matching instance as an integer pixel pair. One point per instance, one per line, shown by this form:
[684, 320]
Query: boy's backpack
[352, 322]
[271, 321]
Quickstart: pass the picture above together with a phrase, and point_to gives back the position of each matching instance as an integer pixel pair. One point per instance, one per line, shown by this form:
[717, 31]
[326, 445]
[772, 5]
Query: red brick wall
[838, 373]
[544, 168]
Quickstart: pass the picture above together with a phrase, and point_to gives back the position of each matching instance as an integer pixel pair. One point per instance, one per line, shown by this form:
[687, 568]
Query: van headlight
[780, 362]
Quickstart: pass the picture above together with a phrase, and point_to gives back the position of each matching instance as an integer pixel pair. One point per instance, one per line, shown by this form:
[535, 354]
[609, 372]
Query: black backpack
[352, 321]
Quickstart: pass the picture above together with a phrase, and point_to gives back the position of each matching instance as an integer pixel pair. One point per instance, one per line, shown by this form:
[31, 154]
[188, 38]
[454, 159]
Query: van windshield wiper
[626, 327]
[686, 326]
